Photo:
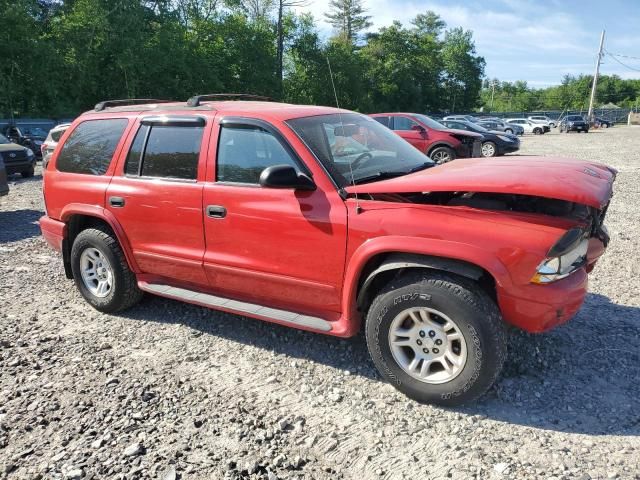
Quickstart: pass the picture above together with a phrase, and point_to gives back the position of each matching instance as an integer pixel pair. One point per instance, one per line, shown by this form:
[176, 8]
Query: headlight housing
[29, 153]
[568, 255]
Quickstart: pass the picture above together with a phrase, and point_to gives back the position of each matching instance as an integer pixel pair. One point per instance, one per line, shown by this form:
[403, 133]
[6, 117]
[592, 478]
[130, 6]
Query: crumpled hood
[587, 183]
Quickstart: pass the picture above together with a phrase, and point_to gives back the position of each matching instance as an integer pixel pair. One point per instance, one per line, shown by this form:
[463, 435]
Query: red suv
[323, 219]
[435, 140]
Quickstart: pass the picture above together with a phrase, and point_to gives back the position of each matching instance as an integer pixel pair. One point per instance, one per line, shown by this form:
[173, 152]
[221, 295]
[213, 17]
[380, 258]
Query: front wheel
[442, 155]
[537, 131]
[101, 272]
[489, 149]
[437, 338]
[28, 173]
[508, 130]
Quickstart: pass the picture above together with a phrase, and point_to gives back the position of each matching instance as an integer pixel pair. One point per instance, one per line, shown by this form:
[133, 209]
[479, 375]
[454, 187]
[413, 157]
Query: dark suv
[17, 159]
[574, 123]
[27, 136]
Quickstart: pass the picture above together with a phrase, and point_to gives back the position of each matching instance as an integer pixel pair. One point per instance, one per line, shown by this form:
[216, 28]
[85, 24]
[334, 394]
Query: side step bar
[242, 308]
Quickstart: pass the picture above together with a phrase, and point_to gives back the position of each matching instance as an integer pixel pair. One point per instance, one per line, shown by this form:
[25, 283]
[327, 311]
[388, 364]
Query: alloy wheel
[97, 274]
[427, 345]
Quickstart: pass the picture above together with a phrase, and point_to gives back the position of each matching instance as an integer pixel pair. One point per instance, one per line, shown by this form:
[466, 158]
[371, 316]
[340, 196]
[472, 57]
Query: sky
[537, 41]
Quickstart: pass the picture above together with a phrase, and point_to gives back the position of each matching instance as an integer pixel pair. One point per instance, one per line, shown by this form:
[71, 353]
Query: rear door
[277, 247]
[156, 196]
[404, 126]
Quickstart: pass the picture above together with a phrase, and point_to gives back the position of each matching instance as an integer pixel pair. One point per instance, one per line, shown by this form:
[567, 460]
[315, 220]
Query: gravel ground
[169, 390]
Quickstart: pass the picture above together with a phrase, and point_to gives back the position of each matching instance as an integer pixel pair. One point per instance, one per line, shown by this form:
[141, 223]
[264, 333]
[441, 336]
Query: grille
[16, 156]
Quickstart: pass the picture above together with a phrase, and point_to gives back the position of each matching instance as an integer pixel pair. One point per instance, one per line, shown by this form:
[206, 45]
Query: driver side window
[403, 123]
[244, 151]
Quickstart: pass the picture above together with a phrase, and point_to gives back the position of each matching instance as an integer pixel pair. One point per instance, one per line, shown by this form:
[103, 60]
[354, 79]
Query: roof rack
[196, 99]
[128, 101]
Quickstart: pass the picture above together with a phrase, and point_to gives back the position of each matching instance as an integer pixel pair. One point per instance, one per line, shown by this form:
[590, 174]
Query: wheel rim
[488, 150]
[441, 157]
[427, 345]
[97, 274]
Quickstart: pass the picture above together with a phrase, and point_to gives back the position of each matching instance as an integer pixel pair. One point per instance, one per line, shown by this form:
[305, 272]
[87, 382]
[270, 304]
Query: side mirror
[418, 128]
[285, 176]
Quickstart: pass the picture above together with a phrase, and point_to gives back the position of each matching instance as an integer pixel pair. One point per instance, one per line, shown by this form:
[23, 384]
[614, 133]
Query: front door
[280, 247]
[156, 195]
[410, 131]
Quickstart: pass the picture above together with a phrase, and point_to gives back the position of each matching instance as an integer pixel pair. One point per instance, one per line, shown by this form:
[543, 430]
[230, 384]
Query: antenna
[335, 94]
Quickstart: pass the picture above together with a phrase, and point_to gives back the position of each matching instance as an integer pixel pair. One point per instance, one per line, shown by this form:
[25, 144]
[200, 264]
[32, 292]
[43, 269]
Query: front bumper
[53, 231]
[17, 167]
[537, 308]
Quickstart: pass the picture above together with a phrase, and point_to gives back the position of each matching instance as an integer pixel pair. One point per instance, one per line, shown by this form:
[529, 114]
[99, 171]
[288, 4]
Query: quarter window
[244, 151]
[165, 152]
[91, 146]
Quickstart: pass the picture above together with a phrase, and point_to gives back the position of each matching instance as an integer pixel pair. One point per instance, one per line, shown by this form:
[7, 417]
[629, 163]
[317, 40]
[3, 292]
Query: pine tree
[348, 18]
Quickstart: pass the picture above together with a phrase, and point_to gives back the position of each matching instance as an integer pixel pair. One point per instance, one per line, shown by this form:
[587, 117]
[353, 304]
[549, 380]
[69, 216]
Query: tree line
[572, 94]
[60, 57]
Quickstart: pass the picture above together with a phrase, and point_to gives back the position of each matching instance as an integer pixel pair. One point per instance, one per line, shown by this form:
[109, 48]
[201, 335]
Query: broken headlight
[565, 257]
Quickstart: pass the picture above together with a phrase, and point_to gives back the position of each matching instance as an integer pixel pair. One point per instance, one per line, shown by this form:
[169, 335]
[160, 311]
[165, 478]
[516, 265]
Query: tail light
[43, 147]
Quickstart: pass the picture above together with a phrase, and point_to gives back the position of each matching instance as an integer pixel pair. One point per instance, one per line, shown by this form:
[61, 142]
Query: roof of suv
[280, 111]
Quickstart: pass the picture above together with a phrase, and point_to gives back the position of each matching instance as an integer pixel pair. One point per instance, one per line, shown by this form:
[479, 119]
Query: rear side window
[245, 151]
[165, 152]
[55, 136]
[91, 146]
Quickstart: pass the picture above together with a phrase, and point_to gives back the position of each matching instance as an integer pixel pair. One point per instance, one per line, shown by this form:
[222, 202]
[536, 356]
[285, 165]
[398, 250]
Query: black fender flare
[398, 261]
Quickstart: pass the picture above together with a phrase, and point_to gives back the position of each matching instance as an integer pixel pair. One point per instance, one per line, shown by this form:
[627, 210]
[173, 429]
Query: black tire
[28, 173]
[124, 292]
[537, 131]
[439, 154]
[476, 316]
[490, 144]
[508, 130]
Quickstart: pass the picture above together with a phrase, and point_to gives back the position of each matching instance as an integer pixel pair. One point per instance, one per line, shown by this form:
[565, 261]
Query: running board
[242, 308]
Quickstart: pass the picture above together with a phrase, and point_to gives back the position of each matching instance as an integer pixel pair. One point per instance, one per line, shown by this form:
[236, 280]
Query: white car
[527, 125]
[50, 143]
[544, 120]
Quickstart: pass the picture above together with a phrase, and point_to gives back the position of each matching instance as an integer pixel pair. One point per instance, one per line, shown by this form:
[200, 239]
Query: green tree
[348, 17]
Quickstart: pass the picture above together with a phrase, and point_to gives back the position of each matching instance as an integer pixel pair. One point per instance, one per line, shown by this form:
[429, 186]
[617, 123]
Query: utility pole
[493, 90]
[595, 77]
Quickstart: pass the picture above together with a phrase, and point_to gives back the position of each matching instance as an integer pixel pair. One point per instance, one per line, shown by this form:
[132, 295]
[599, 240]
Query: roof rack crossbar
[127, 101]
[196, 99]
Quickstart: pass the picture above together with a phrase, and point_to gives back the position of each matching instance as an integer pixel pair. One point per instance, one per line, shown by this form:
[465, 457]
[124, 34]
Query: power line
[623, 64]
[624, 56]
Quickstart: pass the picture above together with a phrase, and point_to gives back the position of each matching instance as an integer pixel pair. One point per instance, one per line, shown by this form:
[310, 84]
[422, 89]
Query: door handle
[216, 211]
[116, 202]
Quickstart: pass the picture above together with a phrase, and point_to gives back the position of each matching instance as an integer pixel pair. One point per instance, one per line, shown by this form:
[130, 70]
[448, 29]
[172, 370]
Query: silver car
[500, 126]
[51, 142]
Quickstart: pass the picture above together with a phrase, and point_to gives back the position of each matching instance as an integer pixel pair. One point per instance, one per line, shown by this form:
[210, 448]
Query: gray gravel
[169, 390]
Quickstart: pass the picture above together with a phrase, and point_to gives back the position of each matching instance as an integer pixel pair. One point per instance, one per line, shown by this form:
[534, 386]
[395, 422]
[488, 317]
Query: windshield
[3, 139]
[34, 131]
[430, 122]
[354, 147]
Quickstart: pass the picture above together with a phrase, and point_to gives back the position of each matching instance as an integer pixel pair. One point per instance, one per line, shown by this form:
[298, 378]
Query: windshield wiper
[378, 176]
[424, 166]
[383, 175]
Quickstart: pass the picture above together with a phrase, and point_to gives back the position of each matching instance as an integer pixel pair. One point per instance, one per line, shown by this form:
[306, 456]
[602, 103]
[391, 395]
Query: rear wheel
[437, 338]
[101, 272]
[508, 130]
[442, 155]
[537, 131]
[489, 149]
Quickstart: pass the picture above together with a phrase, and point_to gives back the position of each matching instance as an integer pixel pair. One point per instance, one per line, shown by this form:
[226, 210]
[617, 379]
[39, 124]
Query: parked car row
[449, 139]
